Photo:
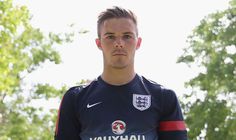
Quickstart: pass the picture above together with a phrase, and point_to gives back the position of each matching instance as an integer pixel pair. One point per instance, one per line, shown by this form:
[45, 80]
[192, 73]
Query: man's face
[118, 42]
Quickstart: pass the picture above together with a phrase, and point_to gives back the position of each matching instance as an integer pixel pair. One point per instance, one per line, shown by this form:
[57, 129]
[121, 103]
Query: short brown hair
[115, 12]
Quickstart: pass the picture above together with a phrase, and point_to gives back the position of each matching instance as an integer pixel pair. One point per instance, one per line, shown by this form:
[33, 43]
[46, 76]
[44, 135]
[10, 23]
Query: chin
[119, 66]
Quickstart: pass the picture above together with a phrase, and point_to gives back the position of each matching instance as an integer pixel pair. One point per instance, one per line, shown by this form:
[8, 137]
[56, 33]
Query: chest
[132, 110]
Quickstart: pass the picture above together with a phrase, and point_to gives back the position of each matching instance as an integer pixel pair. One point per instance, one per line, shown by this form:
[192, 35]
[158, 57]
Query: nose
[119, 42]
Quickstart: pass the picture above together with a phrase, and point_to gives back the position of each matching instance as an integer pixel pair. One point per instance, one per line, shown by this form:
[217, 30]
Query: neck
[118, 76]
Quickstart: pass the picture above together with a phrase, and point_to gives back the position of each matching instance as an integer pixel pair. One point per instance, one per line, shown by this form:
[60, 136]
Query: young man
[119, 104]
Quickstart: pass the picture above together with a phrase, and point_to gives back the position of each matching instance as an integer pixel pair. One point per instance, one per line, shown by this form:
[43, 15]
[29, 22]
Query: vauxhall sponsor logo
[118, 127]
[131, 137]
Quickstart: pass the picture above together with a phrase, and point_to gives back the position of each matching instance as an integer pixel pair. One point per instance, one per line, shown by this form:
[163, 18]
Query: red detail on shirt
[172, 126]
[58, 117]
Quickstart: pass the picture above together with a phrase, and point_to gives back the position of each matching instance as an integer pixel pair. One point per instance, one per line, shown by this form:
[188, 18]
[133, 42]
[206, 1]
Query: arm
[171, 125]
[67, 127]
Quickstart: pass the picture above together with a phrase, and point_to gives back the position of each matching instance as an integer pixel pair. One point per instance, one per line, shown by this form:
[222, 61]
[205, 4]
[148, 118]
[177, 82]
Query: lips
[119, 52]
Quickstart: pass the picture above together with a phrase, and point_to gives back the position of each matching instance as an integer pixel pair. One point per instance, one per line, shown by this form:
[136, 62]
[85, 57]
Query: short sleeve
[67, 126]
[171, 125]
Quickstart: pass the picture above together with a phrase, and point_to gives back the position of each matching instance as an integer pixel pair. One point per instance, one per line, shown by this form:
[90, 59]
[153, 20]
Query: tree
[212, 48]
[23, 49]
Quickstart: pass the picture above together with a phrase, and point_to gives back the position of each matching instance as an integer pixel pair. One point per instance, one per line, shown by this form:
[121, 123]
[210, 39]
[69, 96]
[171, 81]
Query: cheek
[107, 42]
[106, 46]
[106, 50]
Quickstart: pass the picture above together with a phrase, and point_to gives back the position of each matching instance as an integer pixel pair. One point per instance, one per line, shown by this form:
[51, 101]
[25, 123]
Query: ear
[98, 43]
[139, 43]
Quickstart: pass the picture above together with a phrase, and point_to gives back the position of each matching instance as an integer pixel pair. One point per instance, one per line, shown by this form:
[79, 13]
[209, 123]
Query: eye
[110, 37]
[127, 36]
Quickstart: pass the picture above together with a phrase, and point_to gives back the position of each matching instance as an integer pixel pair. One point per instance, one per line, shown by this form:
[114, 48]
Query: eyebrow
[129, 33]
[109, 33]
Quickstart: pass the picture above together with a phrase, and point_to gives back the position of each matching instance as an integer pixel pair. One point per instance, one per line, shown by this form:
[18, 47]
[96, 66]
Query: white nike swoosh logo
[92, 105]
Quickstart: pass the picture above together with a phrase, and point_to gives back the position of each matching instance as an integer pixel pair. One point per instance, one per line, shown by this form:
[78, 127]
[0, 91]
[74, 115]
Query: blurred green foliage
[23, 49]
[213, 49]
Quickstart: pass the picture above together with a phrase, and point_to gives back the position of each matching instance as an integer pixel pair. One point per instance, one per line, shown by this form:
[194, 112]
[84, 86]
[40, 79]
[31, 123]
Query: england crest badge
[141, 102]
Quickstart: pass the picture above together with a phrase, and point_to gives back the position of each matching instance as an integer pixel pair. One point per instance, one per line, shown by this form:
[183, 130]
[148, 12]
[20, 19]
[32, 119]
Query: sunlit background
[163, 26]
[30, 95]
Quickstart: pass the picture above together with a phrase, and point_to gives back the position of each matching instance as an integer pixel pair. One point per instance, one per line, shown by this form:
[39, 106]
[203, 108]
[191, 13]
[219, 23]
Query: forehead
[118, 25]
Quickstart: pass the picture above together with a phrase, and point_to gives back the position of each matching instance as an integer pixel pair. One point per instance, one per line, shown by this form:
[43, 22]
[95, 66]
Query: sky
[164, 26]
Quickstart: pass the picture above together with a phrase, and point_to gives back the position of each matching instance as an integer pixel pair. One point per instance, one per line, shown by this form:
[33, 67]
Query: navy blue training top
[139, 110]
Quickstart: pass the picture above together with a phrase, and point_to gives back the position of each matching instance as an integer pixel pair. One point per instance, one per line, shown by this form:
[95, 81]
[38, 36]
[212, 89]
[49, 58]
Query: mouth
[119, 53]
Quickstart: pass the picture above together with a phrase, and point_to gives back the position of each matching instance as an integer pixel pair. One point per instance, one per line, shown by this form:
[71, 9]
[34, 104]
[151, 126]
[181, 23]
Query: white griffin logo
[118, 127]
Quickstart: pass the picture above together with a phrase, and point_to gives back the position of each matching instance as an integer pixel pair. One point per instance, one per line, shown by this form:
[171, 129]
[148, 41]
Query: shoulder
[71, 93]
[74, 90]
[150, 84]
[154, 86]
[81, 89]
